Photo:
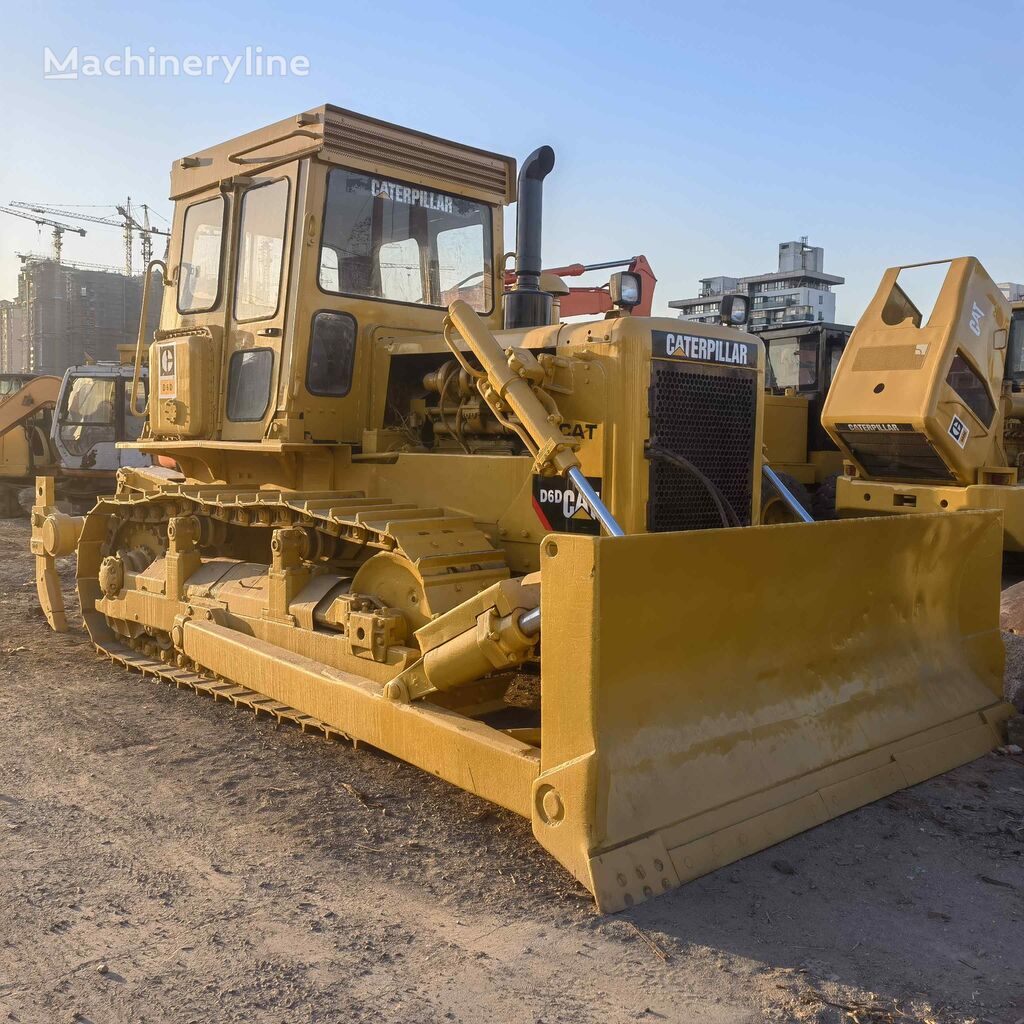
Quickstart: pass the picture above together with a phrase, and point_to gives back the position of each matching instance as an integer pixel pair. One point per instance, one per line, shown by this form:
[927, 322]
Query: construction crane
[58, 228]
[146, 232]
[36, 257]
[125, 220]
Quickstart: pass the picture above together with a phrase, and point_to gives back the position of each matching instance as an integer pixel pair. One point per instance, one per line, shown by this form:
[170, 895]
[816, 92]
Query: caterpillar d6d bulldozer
[928, 413]
[520, 555]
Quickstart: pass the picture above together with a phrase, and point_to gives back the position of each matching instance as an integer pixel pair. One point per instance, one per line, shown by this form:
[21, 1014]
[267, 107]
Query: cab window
[971, 389]
[792, 362]
[332, 352]
[249, 374]
[133, 424]
[199, 270]
[1015, 349]
[390, 240]
[261, 250]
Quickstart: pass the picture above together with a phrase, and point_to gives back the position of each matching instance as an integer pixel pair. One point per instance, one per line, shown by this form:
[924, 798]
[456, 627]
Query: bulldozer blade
[708, 694]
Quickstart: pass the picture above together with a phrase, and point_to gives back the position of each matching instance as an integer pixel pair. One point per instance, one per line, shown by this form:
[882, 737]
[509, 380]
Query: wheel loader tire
[824, 500]
[774, 509]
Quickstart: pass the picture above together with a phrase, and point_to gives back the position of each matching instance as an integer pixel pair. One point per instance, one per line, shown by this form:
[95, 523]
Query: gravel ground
[167, 859]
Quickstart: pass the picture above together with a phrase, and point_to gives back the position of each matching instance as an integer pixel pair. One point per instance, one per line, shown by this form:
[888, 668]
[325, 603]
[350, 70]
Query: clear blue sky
[700, 135]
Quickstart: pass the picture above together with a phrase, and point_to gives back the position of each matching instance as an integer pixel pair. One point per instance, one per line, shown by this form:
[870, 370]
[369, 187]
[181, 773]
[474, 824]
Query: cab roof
[356, 141]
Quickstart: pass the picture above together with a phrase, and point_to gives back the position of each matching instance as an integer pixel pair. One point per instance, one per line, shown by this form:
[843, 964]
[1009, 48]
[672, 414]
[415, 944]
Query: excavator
[26, 409]
[392, 504]
[629, 289]
[68, 427]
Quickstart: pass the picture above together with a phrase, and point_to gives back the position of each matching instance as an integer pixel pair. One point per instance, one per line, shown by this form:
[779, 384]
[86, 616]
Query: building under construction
[66, 315]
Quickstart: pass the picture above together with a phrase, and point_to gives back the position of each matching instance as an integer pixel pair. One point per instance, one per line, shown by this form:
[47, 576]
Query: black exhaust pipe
[526, 305]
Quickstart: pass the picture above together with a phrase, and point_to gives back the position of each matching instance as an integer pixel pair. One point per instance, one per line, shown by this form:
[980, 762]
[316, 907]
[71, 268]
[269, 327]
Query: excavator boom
[32, 397]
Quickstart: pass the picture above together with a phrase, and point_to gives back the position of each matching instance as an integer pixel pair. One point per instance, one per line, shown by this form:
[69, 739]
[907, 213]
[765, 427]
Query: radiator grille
[907, 455]
[708, 415]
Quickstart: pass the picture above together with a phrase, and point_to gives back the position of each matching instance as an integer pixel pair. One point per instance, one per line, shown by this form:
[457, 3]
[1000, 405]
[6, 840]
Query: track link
[218, 689]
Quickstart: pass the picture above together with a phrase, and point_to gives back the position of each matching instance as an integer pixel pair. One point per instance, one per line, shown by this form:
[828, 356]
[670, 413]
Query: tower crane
[58, 228]
[127, 222]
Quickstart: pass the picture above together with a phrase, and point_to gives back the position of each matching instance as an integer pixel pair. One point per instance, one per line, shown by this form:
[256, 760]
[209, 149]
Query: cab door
[256, 313]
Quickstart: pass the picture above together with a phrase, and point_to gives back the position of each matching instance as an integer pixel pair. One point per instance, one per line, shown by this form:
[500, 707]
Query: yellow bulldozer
[521, 555]
[929, 413]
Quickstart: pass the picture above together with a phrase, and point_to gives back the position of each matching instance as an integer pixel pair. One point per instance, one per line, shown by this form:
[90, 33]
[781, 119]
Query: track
[218, 689]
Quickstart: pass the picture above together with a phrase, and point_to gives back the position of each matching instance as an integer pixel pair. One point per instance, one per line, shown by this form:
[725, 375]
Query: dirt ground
[167, 859]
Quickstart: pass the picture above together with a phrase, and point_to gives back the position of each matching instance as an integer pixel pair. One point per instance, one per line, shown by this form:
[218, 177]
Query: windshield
[792, 362]
[87, 414]
[387, 240]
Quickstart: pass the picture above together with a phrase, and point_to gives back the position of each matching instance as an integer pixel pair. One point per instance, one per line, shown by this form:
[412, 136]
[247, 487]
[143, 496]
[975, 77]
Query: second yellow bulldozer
[521, 555]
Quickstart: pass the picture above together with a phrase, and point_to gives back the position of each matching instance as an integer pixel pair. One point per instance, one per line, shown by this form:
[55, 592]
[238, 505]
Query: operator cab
[302, 254]
[93, 415]
[803, 360]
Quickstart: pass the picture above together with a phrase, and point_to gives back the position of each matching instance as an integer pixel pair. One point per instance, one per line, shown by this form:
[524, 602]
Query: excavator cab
[93, 417]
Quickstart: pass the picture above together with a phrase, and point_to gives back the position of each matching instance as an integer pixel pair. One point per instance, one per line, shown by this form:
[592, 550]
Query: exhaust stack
[526, 305]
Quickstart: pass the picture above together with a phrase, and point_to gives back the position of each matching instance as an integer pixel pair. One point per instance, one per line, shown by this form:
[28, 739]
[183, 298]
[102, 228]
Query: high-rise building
[1013, 291]
[798, 292]
[66, 315]
[12, 337]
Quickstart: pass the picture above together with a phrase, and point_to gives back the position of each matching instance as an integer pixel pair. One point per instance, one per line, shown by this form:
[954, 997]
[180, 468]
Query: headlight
[625, 289]
[735, 310]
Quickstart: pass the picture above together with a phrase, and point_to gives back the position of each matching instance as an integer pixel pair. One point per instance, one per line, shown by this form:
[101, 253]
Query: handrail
[237, 157]
[143, 318]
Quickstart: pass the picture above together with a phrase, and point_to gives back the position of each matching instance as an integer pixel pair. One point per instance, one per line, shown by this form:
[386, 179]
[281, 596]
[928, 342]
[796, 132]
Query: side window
[199, 270]
[964, 380]
[249, 384]
[260, 251]
[1015, 352]
[332, 353]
